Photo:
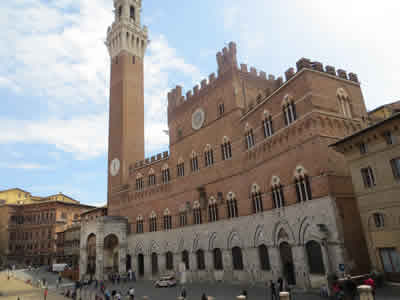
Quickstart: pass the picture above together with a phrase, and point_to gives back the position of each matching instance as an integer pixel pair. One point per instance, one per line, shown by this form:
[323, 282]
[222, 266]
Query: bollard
[210, 298]
[365, 292]
[241, 297]
[181, 298]
[145, 297]
[284, 296]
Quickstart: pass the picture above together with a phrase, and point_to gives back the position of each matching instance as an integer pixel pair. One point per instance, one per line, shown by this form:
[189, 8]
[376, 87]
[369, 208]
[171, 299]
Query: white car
[166, 281]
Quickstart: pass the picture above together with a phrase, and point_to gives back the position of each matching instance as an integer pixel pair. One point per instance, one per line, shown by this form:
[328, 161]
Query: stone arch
[283, 227]
[225, 139]
[167, 212]
[181, 245]
[207, 148]
[214, 242]
[180, 160]
[255, 188]
[212, 200]
[139, 249]
[234, 240]
[196, 242]
[153, 214]
[309, 231]
[300, 171]
[275, 180]
[193, 154]
[259, 236]
[196, 204]
[151, 171]
[230, 196]
[287, 99]
[154, 247]
[247, 127]
[139, 175]
[342, 94]
[266, 113]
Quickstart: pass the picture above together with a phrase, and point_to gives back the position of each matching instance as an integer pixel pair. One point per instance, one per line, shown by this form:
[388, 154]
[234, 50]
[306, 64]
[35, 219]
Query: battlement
[306, 63]
[149, 161]
[227, 59]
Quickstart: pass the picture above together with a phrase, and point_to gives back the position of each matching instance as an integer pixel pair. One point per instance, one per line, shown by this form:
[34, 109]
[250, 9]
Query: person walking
[280, 283]
[272, 287]
[369, 281]
[131, 293]
[183, 293]
[204, 297]
[46, 292]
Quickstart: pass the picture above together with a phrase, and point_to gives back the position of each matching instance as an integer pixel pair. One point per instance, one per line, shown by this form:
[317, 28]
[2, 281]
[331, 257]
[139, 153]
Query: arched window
[302, 183]
[256, 199]
[197, 213]
[169, 260]
[180, 168]
[379, 220]
[132, 12]
[182, 216]
[185, 259]
[153, 222]
[249, 137]
[201, 265]
[264, 257]
[344, 102]
[267, 125]
[289, 110]
[167, 220]
[226, 149]
[232, 206]
[152, 178]
[165, 174]
[212, 210]
[315, 260]
[217, 256]
[277, 193]
[237, 258]
[139, 224]
[139, 182]
[194, 162]
[208, 156]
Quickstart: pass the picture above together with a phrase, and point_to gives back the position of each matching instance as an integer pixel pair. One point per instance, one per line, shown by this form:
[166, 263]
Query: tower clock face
[198, 118]
[114, 167]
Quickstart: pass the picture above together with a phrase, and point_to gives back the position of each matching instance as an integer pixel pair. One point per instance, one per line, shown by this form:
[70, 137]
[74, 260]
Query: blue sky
[54, 71]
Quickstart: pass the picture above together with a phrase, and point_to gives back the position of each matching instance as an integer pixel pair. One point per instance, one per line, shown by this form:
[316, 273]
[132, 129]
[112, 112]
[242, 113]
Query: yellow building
[383, 112]
[373, 155]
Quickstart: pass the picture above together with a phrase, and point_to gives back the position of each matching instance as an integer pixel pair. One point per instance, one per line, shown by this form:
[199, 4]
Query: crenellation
[289, 73]
[203, 83]
[271, 77]
[150, 161]
[263, 75]
[159, 156]
[153, 159]
[196, 90]
[303, 63]
[227, 60]
[279, 81]
[188, 95]
[253, 71]
[243, 68]
[147, 161]
[342, 73]
[212, 78]
[330, 70]
[353, 77]
[165, 154]
[317, 66]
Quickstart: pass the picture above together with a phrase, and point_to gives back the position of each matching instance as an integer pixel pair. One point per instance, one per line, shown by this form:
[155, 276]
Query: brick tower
[126, 43]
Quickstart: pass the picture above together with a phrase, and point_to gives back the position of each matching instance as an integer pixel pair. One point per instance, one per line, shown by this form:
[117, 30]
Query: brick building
[373, 155]
[28, 229]
[250, 189]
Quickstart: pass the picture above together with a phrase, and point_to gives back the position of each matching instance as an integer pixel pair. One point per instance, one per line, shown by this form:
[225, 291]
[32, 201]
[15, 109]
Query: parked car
[166, 281]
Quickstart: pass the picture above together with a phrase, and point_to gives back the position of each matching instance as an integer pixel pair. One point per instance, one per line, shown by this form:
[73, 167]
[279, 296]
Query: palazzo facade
[250, 189]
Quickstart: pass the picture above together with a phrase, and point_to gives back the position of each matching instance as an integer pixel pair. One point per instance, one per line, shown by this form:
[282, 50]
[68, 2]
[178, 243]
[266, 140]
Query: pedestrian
[370, 282]
[45, 293]
[273, 290]
[204, 297]
[134, 276]
[280, 283]
[183, 293]
[131, 293]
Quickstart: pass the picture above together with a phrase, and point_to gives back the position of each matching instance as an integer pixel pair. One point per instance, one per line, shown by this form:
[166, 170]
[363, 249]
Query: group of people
[276, 288]
[349, 288]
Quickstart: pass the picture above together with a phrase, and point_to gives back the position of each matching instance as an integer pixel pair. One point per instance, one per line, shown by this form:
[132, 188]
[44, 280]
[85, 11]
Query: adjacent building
[250, 189]
[373, 155]
[29, 225]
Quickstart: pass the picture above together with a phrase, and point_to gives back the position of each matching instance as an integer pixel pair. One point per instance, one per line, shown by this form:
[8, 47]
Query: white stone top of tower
[126, 32]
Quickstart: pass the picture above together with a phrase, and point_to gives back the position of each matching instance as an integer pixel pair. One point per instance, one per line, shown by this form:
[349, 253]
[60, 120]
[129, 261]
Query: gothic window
[152, 179]
[344, 102]
[289, 110]
[153, 222]
[183, 218]
[217, 257]
[395, 163]
[379, 220]
[250, 140]
[197, 213]
[315, 260]
[237, 258]
[368, 177]
[277, 193]
[208, 156]
[226, 149]
[132, 12]
[232, 206]
[139, 182]
[303, 187]
[221, 109]
[167, 220]
[212, 210]
[169, 260]
[201, 265]
[194, 163]
[389, 139]
[181, 168]
[363, 148]
[165, 175]
[256, 199]
[267, 125]
[264, 258]
[185, 259]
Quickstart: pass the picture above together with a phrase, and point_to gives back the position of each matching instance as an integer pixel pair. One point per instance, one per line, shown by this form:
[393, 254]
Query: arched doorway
[287, 263]
[315, 259]
[111, 254]
[128, 262]
[154, 263]
[91, 253]
[140, 263]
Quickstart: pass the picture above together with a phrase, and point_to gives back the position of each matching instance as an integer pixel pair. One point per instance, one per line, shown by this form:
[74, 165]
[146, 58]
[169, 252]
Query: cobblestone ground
[218, 291]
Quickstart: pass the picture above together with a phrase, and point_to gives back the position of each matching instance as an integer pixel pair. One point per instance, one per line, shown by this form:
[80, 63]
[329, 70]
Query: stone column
[275, 262]
[337, 257]
[228, 264]
[365, 292]
[177, 261]
[122, 258]
[83, 261]
[301, 267]
[326, 258]
[162, 263]
[147, 266]
[100, 251]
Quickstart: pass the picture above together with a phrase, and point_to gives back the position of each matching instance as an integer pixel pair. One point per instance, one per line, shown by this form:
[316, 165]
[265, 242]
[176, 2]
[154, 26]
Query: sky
[54, 71]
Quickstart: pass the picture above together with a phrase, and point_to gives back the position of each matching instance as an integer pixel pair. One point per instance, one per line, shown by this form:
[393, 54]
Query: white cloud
[24, 166]
[357, 35]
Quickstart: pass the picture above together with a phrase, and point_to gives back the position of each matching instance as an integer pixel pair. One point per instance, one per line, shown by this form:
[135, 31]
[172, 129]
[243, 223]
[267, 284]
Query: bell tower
[126, 42]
